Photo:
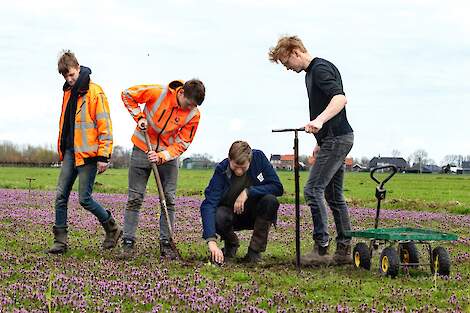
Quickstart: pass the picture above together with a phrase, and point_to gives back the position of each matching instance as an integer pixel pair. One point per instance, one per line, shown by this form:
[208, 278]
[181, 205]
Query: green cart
[401, 243]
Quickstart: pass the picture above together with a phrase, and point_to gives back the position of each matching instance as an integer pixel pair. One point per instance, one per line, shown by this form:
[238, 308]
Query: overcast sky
[404, 65]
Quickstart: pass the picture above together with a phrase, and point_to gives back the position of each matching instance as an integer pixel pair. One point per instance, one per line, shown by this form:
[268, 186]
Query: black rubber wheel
[409, 253]
[361, 256]
[389, 264]
[440, 261]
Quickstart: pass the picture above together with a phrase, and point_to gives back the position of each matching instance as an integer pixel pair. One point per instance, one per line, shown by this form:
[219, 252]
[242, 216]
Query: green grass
[429, 192]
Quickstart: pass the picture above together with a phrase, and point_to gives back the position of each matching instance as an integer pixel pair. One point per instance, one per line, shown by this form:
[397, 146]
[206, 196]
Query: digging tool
[161, 195]
[297, 196]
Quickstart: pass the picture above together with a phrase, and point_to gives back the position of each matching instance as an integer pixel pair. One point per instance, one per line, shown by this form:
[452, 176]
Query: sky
[404, 66]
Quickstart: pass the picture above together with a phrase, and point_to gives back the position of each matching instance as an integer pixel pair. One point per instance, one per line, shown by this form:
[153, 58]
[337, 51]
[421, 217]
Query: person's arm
[105, 131]
[325, 79]
[182, 141]
[270, 184]
[131, 97]
[335, 106]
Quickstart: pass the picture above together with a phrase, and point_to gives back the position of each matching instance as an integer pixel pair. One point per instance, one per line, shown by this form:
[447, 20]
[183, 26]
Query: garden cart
[400, 243]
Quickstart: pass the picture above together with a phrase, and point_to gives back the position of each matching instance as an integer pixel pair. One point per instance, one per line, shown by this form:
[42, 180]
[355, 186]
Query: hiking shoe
[342, 254]
[113, 233]
[127, 249]
[167, 251]
[317, 257]
[251, 257]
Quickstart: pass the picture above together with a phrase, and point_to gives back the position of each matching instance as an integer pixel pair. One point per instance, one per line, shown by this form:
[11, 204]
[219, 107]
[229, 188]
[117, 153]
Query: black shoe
[230, 251]
[251, 257]
[167, 251]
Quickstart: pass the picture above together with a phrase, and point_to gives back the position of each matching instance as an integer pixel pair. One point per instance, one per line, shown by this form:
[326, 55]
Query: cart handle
[392, 167]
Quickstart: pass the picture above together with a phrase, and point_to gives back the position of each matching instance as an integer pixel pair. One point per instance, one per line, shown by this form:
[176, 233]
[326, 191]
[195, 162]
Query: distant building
[400, 163]
[466, 167]
[192, 163]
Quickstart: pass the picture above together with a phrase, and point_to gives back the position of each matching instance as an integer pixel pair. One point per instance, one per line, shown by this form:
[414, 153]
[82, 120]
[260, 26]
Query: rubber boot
[113, 232]
[60, 240]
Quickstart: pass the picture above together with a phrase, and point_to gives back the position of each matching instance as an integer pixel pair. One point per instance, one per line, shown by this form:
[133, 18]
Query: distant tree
[364, 161]
[120, 157]
[396, 153]
[453, 159]
[420, 157]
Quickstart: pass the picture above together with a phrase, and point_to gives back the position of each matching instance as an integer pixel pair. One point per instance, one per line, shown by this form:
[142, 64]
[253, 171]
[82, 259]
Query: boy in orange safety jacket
[171, 118]
[85, 144]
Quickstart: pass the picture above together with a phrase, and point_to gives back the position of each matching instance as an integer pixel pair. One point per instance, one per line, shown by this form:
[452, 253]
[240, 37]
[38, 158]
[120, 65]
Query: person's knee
[269, 205]
[134, 201]
[223, 218]
[311, 192]
[85, 201]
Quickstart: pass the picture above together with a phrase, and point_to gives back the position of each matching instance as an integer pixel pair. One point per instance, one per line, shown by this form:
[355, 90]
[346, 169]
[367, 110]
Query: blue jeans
[139, 172]
[326, 182]
[86, 178]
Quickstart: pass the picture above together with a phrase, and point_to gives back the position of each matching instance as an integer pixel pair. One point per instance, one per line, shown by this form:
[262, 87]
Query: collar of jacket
[173, 88]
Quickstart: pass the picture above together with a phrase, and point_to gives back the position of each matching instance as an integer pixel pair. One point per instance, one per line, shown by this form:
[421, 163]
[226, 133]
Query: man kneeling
[241, 195]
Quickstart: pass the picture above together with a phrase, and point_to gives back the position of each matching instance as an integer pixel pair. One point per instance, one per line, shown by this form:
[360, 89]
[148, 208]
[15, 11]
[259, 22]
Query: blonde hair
[285, 46]
[240, 152]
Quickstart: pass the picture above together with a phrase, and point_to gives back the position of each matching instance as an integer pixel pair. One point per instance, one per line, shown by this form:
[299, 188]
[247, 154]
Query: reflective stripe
[105, 137]
[141, 137]
[135, 111]
[102, 115]
[190, 115]
[125, 98]
[107, 118]
[86, 149]
[151, 122]
[158, 102]
[185, 144]
[85, 125]
[167, 155]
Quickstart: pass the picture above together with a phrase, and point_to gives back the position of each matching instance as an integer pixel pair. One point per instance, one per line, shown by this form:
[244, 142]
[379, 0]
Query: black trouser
[258, 215]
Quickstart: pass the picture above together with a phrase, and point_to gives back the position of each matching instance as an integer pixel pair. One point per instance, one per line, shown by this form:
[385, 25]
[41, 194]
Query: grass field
[423, 192]
[88, 279]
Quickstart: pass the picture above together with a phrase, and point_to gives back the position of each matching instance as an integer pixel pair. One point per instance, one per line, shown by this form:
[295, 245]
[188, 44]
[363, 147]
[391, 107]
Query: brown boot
[258, 242]
[342, 254]
[60, 240]
[113, 232]
[318, 257]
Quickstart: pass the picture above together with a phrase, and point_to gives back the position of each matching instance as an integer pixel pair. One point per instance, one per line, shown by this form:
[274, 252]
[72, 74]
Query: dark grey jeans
[139, 172]
[326, 182]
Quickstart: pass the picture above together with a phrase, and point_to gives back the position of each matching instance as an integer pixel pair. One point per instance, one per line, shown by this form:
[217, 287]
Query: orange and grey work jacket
[171, 129]
[93, 135]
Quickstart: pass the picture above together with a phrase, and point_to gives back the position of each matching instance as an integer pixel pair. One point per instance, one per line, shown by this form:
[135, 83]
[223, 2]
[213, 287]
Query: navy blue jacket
[263, 177]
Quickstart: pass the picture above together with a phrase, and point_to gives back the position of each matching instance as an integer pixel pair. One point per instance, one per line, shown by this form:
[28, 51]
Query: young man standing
[334, 135]
[241, 195]
[85, 144]
[171, 118]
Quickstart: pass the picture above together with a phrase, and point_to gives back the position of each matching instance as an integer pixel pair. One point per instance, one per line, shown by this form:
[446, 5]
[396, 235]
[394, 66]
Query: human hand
[316, 150]
[314, 126]
[153, 157]
[142, 123]
[239, 205]
[101, 166]
[216, 254]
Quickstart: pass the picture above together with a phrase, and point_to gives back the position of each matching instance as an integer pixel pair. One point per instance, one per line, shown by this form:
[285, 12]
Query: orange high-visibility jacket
[93, 135]
[171, 129]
